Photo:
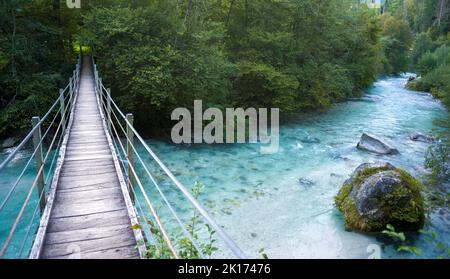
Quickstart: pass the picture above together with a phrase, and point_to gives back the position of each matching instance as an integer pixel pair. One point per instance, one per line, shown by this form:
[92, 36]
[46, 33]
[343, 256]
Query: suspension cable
[40, 197]
[230, 243]
[19, 216]
[155, 215]
[124, 170]
[29, 135]
[180, 223]
[182, 226]
[16, 183]
[27, 199]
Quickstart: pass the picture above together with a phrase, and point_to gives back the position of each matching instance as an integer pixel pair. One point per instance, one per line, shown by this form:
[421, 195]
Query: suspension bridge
[82, 200]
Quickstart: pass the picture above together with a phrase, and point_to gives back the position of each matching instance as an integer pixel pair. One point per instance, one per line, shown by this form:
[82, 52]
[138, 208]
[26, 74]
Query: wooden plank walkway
[89, 216]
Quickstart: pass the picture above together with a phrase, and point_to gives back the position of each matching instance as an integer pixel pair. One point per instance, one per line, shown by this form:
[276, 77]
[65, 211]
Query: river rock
[372, 144]
[364, 166]
[421, 137]
[306, 182]
[380, 194]
[10, 142]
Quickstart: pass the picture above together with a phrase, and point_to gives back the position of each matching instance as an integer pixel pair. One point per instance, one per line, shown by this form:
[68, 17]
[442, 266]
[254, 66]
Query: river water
[283, 202]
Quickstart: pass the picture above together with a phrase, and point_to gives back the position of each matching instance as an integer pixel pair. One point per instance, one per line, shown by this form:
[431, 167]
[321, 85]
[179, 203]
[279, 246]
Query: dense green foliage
[35, 55]
[430, 58]
[158, 55]
[396, 40]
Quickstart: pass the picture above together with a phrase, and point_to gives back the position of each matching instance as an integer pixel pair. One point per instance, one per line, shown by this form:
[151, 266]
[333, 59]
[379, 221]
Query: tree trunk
[57, 12]
[442, 6]
[188, 11]
[13, 44]
[227, 19]
[405, 9]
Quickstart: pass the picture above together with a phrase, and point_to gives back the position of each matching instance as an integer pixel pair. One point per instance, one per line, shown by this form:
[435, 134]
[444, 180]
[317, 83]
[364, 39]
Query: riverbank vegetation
[159, 55]
[430, 59]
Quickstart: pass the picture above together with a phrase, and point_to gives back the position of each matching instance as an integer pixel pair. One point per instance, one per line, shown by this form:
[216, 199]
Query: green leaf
[440, 246]
[136, 226]
[410, 249]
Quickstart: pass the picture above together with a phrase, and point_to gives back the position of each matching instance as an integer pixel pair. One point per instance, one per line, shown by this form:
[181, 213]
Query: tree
[396, 40]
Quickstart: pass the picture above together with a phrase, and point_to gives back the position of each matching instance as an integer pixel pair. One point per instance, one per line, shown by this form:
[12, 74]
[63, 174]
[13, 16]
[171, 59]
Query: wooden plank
[85, 142]
[88, 247]
[80, 171]
[91, 165]
[88, 157]
[128, 252]
[89, 188]
[85, 234]
[80, 209]
[68, 182]
[88, 150]
[89, 201]
[88, 196]
[88, 221]
[88, 153]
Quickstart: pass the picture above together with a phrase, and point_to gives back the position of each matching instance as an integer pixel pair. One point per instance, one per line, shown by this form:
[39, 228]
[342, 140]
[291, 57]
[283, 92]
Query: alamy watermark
[374, 251]
[73, 4]
[240, 125]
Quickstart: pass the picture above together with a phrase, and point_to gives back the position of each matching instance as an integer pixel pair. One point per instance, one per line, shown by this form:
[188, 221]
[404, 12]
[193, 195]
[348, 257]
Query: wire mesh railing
[169, 234]
[20, 208]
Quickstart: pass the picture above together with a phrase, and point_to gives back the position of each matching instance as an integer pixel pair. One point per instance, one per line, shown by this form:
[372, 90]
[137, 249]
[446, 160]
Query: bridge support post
[75, 81]
[99, 89]
[108, 107]
[95, 76]
[71, 80]
[130, 143]
[63, 118]
[39, 161]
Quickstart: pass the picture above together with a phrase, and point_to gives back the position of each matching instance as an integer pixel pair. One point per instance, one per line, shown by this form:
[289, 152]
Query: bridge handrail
[38, 125]
[103, 91]
[172, 211]
[63, 112]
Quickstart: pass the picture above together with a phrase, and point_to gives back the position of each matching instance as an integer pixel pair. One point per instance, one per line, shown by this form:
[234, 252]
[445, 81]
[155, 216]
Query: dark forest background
[158, 55]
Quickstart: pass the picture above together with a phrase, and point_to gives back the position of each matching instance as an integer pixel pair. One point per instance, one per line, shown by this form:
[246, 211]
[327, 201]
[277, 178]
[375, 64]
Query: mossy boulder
[379, 194]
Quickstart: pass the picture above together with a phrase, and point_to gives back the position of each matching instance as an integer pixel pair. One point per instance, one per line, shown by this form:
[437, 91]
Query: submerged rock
[421, 137]
[380, 194]
[372, 144]
[10, 142]
[306, 182]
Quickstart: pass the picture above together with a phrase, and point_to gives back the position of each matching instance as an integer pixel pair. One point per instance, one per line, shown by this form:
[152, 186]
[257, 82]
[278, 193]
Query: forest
[159, 55]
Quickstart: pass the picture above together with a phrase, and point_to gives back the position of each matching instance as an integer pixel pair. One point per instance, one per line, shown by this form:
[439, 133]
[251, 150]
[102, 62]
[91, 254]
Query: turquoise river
[283, 202]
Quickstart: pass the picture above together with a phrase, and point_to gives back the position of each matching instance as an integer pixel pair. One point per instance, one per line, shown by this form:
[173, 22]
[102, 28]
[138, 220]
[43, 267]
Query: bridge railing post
[99, 81]
[130, 143]
[71, 80]
[108, 107]
[95, 76]
[77, 70]
[39, 161]
[62, 106]
[75, 81]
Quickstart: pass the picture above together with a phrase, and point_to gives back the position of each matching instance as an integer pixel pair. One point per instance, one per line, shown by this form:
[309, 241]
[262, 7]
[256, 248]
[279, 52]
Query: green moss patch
[403, 206]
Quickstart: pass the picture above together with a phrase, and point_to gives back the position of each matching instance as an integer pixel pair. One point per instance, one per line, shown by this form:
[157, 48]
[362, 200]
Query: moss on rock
[380, 195]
